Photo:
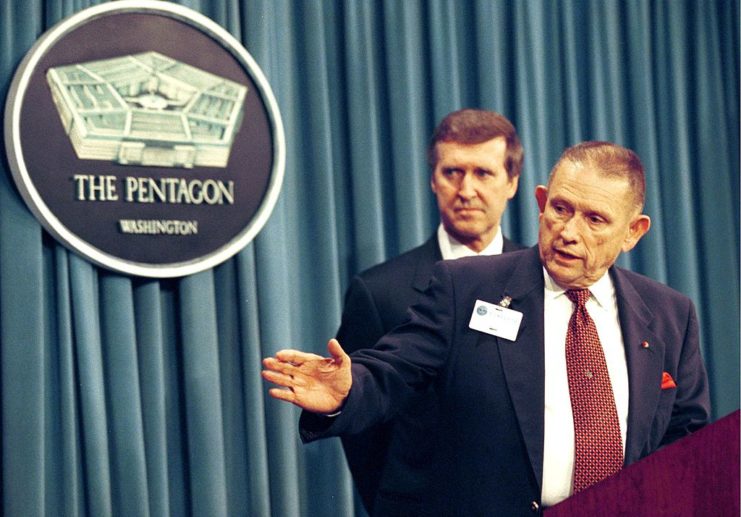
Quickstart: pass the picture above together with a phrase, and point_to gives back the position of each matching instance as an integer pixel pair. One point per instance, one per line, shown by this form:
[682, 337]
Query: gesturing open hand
[312, 382]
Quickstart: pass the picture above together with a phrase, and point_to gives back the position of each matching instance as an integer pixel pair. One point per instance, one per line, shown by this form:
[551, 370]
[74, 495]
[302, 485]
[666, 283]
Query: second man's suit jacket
[392, 463]
[489, 437]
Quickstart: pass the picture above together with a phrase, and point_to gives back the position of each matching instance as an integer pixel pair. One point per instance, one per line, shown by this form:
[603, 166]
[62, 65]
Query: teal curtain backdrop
[126, 396]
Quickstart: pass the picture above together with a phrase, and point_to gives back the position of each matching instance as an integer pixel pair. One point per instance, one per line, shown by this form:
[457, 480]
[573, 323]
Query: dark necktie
[598, 445]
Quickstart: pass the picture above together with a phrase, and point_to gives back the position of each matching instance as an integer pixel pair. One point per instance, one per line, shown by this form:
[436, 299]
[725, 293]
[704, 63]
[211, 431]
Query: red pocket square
[667, 381]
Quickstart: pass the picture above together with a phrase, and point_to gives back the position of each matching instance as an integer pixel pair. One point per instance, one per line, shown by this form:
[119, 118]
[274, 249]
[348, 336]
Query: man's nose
[571, 229]
[467, 187]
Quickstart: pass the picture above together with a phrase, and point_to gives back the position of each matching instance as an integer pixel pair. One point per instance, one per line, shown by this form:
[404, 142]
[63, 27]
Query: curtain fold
[91, 383]
[202, 393]
[123, 396]
[255, 442]
[64, 472]
[366, 131]
[133, 396]
[405, 58]
[151, 362]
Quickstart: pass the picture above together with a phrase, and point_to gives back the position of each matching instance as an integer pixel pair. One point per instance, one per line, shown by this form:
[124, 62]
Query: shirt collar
[603, 291]
[452, 249]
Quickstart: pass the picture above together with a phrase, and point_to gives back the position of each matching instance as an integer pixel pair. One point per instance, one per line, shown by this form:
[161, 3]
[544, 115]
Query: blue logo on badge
[481, 310]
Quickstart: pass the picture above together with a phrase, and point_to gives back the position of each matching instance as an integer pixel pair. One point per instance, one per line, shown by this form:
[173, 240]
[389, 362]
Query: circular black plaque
[144, 136]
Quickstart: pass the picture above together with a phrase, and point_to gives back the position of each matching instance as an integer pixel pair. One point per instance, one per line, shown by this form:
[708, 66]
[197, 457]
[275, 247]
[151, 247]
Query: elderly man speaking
[553, 367]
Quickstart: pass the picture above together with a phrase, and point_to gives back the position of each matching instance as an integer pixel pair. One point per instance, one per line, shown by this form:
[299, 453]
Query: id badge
[495, 320]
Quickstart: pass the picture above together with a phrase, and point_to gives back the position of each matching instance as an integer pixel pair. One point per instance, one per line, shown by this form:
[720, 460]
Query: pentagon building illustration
[147, 109]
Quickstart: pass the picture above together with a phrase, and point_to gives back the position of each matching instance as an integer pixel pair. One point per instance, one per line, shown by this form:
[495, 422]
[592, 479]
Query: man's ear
[541, 195]
[513, 182]
[638, 228]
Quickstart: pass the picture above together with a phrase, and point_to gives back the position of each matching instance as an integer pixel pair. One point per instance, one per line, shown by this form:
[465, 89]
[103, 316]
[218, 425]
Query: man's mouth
[565, 256]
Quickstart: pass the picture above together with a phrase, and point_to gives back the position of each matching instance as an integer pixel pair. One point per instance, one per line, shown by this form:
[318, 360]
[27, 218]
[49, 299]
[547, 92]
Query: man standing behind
[476, 158]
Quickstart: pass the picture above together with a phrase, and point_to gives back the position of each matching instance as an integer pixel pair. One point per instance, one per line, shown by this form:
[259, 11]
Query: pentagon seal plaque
[144, 137]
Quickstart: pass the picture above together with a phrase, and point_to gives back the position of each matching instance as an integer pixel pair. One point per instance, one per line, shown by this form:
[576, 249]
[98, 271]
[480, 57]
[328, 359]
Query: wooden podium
[696, 476]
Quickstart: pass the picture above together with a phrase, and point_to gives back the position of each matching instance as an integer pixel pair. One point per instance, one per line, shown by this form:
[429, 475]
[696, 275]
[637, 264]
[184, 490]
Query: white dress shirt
[452, 249]
[558, 446]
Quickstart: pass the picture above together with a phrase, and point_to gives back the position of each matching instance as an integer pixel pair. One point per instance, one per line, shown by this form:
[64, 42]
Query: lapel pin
[645, 344]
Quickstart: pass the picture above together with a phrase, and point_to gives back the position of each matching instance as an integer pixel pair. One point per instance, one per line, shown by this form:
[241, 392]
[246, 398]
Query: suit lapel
[644, 353]
[523, 359]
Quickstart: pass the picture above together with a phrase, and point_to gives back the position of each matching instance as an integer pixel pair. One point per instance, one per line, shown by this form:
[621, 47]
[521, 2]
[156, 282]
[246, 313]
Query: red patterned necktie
[598, 445]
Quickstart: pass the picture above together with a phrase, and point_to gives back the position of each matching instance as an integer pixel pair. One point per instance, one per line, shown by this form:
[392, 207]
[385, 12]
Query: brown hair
[473, 126]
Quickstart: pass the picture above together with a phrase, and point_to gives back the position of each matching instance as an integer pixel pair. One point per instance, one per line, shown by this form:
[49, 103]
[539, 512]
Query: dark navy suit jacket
[393, 463]
[491, 390]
